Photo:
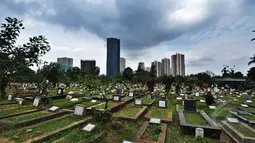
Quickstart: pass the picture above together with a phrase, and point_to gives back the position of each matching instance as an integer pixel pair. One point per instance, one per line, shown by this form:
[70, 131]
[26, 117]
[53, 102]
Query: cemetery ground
[125, 124]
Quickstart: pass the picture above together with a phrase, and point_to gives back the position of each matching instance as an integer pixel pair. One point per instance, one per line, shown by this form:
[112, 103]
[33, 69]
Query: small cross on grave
[162, 104]
[199, 132]
[116, 98]
[93, 101]
[54, 109]
[36, 102]
[233, 120]
[155, 121]
[190, 105]
[131, 94]
[10, 97]
[79, 110]
[89, 127]
[138, 102]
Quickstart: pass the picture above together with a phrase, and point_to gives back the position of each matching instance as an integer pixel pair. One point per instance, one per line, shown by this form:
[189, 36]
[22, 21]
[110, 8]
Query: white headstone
[36, 102]
[248, 101]
[127, 141]
[203, 101]
[10, 97]
[74, 100]
[148, 95]
[20, 102]
[212, 107]
[79, 110]
[54, 108]
[155, 121]
[131, 94]
[178, 98]
[89, 127]
[197, 94]
[233, 120]
[244, 105]
[116, 98]
[162, 103]
[138, 102]
[93, 101]
[199, 132]
[59, 91]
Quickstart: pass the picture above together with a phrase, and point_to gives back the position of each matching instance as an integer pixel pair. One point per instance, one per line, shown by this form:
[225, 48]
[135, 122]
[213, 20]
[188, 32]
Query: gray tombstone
[162, 104]
[138, 102]
[36, 102]
[190, 105]
[199, 132]
[79, 110]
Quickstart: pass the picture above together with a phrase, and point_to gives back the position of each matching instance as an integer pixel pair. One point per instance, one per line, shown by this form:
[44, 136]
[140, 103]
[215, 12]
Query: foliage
[155, 131]
[253, 38]
[209, 99]
[252, 59]
[151, 84]
[200, 139]
[153, 71]
[251, 74]
[167, 80]
[13, 57]
[102, 117]
[128, 73]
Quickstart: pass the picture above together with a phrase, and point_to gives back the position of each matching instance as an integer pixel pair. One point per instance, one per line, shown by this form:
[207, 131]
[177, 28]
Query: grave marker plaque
[79, 110]
[10, 97]
[54, 109]
[36, 102]
[20, 102]
[138, 101]
[155, 121]
[93, 101]
[199, 132]
[116, 98]
[131, 94]
[197, 94]
[89, 127]
[233, 120]
[190, 105]
[162, 104]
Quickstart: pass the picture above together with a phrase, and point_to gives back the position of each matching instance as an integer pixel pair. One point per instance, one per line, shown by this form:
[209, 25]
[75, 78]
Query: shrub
[209, 99]
[102, 116]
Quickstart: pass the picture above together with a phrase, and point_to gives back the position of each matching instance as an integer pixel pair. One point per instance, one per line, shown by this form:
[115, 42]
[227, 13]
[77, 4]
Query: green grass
[147, 100]
[17, 110]
[195, 118]
[126, 98]
[89, 103]
[9, 106]
[161, 113]
[242, 129]
[110, 105]
[64, 103]
[251, 110]
[40, 129]
[27, 117]
[249, 117]
[129, 111]
[4, 101]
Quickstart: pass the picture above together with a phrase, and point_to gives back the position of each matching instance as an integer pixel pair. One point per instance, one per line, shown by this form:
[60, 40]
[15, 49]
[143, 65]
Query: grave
[233, 120]
[79, 110]
[149, 96]
[138, 102]
[212, 107]
[162, 103]
[155, 121]
[60, 91]
[244, 105]
[131, 94]
[36, 102]
[54, 109]
[93, 101]
[89, 127]
[10, 97]
[116, 98]
[190, 105]
[197, 94]
[199, 132]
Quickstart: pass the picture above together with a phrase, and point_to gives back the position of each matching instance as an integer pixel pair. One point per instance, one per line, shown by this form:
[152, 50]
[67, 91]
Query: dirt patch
[5, 140]
[147, 135]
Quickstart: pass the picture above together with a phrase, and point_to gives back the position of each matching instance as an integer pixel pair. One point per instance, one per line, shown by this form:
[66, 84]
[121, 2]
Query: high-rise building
[113, 57]
[157, 67]
[65, 63]
[88, 65]
[122, 64]
[141, 66]
[178, 64]
[165, 66]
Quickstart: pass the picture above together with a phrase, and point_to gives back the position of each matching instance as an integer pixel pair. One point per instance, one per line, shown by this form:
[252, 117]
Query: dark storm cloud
[204, 61]
[139, 24]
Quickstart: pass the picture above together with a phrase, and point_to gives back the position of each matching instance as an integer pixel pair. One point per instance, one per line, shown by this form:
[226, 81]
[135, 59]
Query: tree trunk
[106, 104]
[2, 89]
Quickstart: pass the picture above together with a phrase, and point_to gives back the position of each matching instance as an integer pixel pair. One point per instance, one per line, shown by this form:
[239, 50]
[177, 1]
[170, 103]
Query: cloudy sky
[211, 33]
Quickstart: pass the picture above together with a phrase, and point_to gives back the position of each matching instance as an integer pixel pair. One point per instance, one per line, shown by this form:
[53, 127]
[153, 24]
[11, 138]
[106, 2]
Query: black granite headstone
[119, 91]
[190, 105]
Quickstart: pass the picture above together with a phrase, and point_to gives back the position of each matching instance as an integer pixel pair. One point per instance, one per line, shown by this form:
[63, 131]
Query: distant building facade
[165, 66]
[178, 64]
[157, 67]
[65, 63]
[122, 64]
[88, 65]
[141, 66]
[113, 57]
[148, 69]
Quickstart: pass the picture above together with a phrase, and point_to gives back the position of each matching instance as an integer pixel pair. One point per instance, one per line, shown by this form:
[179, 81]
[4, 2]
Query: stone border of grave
[236, 135]
[23, 113]
[47, 136]
[209, 130]
[252, 106]
[139, 114]
[150, 104]
[243, 119]
[142, 130]
[41, 119]
[244, 109]
[147, 117]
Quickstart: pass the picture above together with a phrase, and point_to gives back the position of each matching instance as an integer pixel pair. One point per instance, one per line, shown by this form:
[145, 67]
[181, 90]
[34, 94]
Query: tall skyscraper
[178, 64]
[165, 66]
[141, 66]
[113, 56]
[122, 64]
[65, 63]
[158, 68]
[88, 65]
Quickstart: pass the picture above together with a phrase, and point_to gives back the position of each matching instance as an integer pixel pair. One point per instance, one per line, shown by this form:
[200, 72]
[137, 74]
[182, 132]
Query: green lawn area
[64, 103]
[26, 117]
[195, 118]
[17, 110]
[9, 106]
[4, 101]
[156, 112]
[249, 117]
[126, 98]
[129, 111]
[37, 130]
[147, 100]
[252, 110]
[242, 129]
[88, 103]
[110, 105]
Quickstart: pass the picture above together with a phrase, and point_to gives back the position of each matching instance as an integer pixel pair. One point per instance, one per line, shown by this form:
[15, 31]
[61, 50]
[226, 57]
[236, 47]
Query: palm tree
[252, 59]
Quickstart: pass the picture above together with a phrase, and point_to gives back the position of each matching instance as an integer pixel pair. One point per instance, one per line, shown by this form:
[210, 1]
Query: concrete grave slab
[79, 110]
[233, 120]
[54, 109]
[89, 127]
[93, 101]
[212, 107]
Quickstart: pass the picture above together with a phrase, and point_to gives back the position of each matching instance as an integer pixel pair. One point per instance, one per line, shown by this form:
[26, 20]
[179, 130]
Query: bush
[155, 131]
[102, 116]
[209, 99]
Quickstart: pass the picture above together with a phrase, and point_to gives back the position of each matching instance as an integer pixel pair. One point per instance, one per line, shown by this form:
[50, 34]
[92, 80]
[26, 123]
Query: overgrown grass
[17, 110]
[161, 113]
[195, 118]
[147, 100]
[129, 111]
[2, 101]
[26, 117]
[21, 135]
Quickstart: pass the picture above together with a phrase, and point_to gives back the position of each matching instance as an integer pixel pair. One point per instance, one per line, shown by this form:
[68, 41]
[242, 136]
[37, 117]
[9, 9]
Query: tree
[13, 57]
[153, 71]
[73, 73]
[52, 72]
[238, 75]
[167, 80]
[253, 38]
[251, 74]
[128, 73]
[227, 71]
[252, 60]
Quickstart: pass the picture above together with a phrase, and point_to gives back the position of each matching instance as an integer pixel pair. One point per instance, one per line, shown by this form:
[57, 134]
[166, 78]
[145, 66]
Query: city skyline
[209, 33]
